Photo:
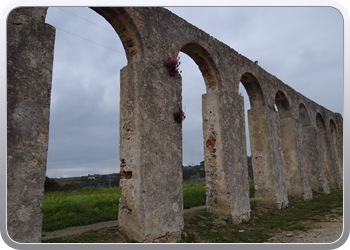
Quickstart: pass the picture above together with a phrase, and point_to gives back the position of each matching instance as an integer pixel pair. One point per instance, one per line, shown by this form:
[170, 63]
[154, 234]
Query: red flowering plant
[179, 116]
[172, 65]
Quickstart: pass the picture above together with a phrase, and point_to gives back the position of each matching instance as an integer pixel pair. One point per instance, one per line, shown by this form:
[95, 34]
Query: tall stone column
[339, 141]
[30, 45]
[227, 183]
[291, 157]
[333, 160]
[305, 168]
[267, 158]
[316, 160]
[151, 204]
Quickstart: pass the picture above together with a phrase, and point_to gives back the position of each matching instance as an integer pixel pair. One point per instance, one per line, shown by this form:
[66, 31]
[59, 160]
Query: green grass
[92, 205]
[204, 227]
[193, 195]
[79, 207]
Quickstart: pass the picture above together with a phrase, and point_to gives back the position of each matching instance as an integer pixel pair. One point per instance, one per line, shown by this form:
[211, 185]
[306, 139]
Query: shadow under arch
[126, 29]
[333, 127]
[253, 88]
[304, 117]
[205, 63]
[282, 104]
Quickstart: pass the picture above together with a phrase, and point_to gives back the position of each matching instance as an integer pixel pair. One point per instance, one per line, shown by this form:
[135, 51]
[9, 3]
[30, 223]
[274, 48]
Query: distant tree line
[198, 171]
[52, 186]
[193, 172]
[112, 180]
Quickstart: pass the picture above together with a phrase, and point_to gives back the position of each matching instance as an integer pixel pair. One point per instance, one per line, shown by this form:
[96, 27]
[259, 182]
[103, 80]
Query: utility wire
[90, 41]
[117, 50]
[105, 46]
[112, 31]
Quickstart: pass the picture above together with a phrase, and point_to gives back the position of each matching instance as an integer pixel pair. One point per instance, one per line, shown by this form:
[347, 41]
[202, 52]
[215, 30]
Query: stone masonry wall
[296, 150]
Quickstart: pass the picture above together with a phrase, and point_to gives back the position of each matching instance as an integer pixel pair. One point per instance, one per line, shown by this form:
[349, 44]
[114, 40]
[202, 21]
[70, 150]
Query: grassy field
[79, 207]
[92, 205]
[204, 227]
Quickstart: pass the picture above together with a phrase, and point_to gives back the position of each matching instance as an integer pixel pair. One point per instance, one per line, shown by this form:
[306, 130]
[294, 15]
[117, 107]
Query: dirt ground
[319, 232]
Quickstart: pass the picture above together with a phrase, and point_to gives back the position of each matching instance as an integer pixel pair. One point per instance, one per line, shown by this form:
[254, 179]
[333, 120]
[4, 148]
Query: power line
[105, 46]
[112, 31]
[90, 41]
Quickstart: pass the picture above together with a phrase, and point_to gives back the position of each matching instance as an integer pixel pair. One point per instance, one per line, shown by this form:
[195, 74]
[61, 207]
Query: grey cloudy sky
[302, 46]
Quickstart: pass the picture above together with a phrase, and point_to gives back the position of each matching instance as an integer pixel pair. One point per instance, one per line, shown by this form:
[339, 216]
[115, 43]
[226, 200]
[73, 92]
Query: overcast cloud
[302, 46]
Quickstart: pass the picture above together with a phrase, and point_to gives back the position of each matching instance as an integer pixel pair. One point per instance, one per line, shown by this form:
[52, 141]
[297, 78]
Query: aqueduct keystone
[296, 150]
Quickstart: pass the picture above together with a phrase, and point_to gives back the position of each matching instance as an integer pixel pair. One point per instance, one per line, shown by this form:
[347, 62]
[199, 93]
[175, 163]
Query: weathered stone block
[30, 45]
[267, 159]
[151, 154]
[227, 183]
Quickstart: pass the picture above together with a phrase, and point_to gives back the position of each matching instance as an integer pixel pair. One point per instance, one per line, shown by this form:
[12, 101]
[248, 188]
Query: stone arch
[128, 32]
[205, 63]
[333, 127]
[253, 88]
[41, 46]
[282, 104]
[304, 117]
[149, 125]
[223, 174]
[267, 159]
[320, 122]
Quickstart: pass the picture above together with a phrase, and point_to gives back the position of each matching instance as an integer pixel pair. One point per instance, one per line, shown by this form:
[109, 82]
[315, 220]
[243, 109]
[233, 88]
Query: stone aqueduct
[295, 151]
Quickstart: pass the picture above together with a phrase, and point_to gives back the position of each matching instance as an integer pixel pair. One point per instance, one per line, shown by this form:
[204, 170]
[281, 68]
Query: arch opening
[253, 88]
[304, 117]
[247, 107]
[126, 29]
[193, 86]
[282, 104]
[205, 64]
[320, 122]
[85, 99]
[332, 126]
[253, 99]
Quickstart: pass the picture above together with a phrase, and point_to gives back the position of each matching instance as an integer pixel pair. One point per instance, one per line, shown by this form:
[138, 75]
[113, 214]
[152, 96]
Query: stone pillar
[339, 141]
[151, 204]
[316, 161]
[30, 45]
[227, 183]
[267, 158]
[290, 157]
[305, 168]
[332, 161]
[326, 155]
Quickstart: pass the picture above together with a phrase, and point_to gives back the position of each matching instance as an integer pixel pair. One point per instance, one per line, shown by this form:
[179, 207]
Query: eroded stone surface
[296, 151]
